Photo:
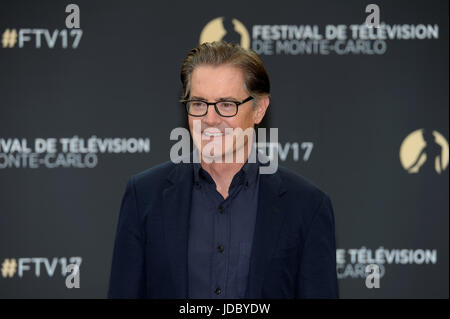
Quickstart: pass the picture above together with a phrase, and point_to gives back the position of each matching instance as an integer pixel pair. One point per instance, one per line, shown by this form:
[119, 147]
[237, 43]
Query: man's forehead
[217, 82]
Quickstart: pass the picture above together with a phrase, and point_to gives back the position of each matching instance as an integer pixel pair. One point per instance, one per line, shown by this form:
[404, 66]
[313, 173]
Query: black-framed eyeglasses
[200, 108]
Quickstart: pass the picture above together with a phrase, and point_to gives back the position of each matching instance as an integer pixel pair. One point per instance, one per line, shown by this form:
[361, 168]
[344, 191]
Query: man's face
[213, 83]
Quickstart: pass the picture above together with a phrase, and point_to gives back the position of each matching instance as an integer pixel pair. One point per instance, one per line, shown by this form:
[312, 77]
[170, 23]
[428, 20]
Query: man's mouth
[213, 134]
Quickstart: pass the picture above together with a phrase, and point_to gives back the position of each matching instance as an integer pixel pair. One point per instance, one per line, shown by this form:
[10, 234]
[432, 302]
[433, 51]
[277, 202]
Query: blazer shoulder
[302, 187]
[155, 175]
[306, 200]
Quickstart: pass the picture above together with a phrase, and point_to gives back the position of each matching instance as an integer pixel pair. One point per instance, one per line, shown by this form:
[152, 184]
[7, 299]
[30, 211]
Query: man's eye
[196, 104]
[227, 104]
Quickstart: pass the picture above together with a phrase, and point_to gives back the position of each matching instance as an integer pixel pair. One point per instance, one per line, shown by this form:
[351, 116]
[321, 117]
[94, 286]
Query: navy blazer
[293, 253]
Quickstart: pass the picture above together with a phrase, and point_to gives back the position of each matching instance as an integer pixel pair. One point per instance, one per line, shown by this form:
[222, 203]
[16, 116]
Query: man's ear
[261, 108]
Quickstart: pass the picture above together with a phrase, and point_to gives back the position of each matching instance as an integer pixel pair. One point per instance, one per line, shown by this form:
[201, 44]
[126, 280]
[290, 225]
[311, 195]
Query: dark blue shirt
[221, 234]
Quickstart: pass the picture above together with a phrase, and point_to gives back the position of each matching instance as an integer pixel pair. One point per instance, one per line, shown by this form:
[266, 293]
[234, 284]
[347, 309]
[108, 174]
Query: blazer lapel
[269, 220]
[177, 207]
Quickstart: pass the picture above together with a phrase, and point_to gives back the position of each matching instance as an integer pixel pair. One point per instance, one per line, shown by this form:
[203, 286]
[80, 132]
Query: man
[217, 228]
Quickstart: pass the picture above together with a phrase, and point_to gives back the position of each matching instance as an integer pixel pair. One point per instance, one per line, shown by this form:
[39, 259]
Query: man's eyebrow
[197, 98]
[225, 98]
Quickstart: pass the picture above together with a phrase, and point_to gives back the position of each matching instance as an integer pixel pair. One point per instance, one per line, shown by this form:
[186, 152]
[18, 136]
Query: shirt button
[220, 248]
[221, 209]
[218, 291]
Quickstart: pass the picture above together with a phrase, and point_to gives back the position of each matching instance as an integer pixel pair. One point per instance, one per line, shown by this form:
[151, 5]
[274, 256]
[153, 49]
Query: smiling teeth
[212, 134]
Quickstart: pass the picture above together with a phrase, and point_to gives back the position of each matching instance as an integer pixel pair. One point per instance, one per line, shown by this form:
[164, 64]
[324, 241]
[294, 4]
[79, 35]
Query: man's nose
[211, 118]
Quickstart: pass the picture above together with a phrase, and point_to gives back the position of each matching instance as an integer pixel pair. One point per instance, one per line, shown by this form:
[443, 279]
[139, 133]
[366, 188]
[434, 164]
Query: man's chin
[220, 157]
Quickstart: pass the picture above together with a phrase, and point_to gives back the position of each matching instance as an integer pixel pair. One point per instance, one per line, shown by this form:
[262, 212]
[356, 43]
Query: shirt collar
[248, 174]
